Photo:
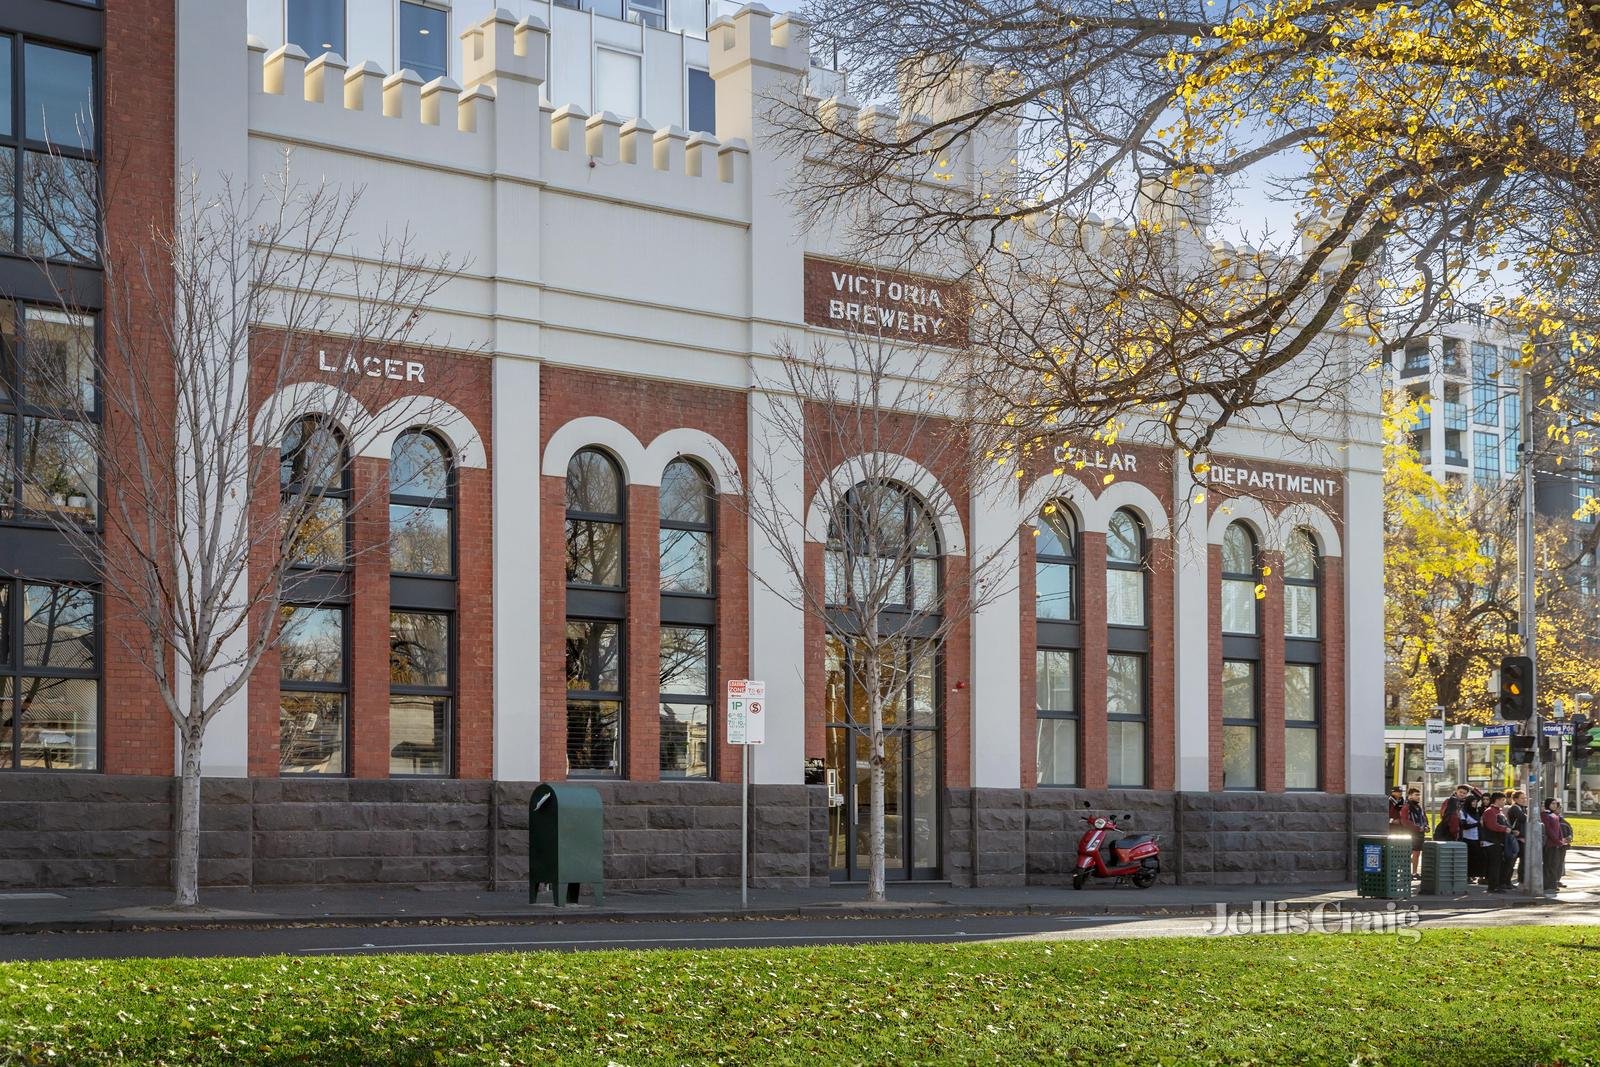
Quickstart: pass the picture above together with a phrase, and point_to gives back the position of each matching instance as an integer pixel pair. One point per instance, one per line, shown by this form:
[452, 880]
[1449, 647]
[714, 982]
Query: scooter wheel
[1144, 878]
[1078, 878]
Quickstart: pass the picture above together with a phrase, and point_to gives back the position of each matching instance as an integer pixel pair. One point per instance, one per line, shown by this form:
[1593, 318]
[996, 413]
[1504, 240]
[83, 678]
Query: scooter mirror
[1127, 818]
[1086, 803]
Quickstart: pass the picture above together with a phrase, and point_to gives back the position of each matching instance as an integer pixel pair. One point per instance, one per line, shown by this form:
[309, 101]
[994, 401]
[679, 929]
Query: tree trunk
[186, 857]
[875, 883]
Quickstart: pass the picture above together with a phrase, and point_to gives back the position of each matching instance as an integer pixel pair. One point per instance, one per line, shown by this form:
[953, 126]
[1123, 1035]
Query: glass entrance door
[910, 778]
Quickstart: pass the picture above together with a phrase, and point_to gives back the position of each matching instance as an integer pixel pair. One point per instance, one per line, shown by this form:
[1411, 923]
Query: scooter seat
[1134, 841]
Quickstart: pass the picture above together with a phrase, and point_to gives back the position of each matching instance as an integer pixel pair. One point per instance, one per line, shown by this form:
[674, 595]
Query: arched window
[688, 510]
[314, 477]
[1127, 652]
[1240, 609]
[1302, 706]
[883, 552]
[421, 505]
[595, 614]
[1241, 660]
[1059, 641]
[1056, 565]
[422, 496]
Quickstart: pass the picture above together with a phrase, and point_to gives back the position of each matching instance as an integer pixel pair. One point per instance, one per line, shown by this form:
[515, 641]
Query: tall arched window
[688, 612]
[1127, 652]
[421, 506]
[1241, 660]
[314, 476]
[313, 643]
[421, 603]
[595, 613]
[1058, 637]
[883, 548]
[1302, 707]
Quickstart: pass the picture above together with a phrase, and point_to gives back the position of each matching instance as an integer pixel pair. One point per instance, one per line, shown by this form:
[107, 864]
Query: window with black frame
[688, 612]
[313, 690]
[47, 413]
[1241, 659]
[49, 677]
[1127, 653]
[1058, 637]
[420, 691]
[1302, 706]
[596, 609]
[314, 477]
[422, 503]
[49, 176]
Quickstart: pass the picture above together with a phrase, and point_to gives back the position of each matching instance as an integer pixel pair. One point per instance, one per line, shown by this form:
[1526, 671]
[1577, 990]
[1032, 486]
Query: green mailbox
[566, 845]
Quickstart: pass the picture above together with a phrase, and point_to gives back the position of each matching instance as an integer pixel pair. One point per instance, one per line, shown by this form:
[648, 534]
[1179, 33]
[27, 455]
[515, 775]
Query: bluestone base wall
[66, 830]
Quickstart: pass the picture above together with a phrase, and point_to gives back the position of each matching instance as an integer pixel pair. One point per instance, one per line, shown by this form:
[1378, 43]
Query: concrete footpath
[69, 910]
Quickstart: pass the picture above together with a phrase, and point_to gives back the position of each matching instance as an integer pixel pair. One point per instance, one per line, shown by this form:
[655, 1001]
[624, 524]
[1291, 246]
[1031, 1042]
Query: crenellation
[733, 162]
[698, 153]
[284, 73]
[363, 87]
[324, 80]
[474, 109]
[402, 94]
[602, 137]
[635, 142]
[670, 149]
[568, 127]
[444, 95]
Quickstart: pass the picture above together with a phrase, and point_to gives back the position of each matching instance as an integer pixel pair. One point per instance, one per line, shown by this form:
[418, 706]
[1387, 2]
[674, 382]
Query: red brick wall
[465, 383]
[1272, 646]
[138, 133]
[1092, 709]
[647, 408]
[1333, 624]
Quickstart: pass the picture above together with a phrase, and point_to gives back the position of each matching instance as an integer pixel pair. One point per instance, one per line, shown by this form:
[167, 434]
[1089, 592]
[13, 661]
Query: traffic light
[1582, 737]
[1516, 688]
[1521, 750]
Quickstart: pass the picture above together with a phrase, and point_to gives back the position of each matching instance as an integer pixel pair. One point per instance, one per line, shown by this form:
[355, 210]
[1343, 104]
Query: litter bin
[1444, 868]
[566, 845]
[1383, 866]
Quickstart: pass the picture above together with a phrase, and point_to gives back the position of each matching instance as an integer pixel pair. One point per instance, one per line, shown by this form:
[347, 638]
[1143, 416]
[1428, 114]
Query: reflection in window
[49, 692]
[57, 204]
[48, 428]
[702, 101]
[1125, 720]
[421, 502]
[1302, 747]
[314, 473]
[1056, 673]
[882, 549]
[424, 39]
[1125, 580]
[1240, 726]
[1300, 586]
[59, 468]
[311, 721]
[686, 528]
[317, 26]
[594, 697]
[594, 521]
[685, 702]
[1240, 609]
[1055, 569]
[58, 96]
[419, 693]
[49, 180]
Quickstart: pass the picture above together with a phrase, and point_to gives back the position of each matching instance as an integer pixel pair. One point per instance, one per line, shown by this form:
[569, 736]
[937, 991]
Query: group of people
[1493, 826]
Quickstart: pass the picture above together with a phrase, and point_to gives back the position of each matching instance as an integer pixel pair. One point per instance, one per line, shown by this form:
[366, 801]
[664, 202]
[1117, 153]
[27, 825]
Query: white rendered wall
[996, 640]
[516, 570]
[1192, 626]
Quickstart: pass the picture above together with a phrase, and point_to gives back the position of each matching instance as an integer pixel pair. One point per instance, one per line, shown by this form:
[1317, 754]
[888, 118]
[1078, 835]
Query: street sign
[1433, 747]
[1558, 729]
[1500, 729]
[747, 707]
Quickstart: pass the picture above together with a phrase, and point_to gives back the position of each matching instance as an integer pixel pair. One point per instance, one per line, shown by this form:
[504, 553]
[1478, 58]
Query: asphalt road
[585, 936]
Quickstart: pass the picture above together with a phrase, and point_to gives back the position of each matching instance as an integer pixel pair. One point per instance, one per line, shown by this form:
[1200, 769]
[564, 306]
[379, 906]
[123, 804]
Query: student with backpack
[1494, 832]
[1448, 828]
[1417, 818]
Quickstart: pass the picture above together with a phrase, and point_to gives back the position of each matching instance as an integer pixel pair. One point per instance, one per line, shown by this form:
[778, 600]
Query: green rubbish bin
[1383, 866]
[1444, 868]
[566, 842]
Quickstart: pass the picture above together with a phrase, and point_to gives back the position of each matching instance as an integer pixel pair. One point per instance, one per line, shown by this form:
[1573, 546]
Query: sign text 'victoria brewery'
[899, 307]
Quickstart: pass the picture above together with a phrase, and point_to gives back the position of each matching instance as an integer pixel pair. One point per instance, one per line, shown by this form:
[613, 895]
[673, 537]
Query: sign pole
[744, 831]
[1533, 864]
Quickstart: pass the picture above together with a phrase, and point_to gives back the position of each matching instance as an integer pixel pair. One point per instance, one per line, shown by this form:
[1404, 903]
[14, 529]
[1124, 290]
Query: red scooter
[1136, 857]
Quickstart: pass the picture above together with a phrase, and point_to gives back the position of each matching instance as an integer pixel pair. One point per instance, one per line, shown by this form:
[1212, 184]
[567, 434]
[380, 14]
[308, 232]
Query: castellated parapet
[500, 125]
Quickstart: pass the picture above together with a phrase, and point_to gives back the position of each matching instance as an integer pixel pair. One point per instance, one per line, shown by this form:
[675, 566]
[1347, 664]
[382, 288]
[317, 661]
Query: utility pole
[1533, 865]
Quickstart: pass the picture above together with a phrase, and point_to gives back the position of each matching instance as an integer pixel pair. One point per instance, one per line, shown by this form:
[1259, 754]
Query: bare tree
[203, 463]
[842, 418]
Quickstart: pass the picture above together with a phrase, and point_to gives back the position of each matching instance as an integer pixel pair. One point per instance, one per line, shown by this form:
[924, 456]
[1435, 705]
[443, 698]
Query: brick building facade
[627, 278]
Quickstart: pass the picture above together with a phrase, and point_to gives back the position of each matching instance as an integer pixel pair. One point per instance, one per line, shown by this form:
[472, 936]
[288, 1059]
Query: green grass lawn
[1451, 997]
[1585, 831]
